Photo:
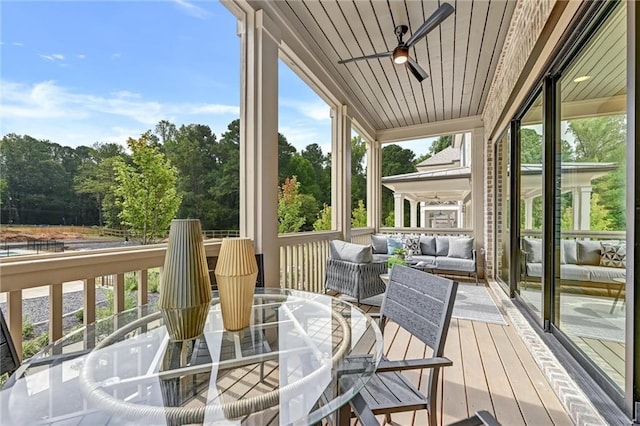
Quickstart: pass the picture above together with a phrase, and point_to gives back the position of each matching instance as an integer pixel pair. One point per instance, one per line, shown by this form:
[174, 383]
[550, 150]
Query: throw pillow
[613, 255]
[590, 252]
[568, 252]
[533, 249]
[349, 252]
[461, 248]
[379, 243]
[412, 243]
[442, 246]
[428, 245]
[393, 243]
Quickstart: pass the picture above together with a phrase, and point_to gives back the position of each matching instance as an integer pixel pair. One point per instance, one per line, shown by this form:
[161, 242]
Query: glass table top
[282, 369]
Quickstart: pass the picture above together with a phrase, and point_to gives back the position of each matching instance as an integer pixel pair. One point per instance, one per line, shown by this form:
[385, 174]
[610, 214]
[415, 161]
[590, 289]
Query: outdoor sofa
[583, 263]
[440, 254]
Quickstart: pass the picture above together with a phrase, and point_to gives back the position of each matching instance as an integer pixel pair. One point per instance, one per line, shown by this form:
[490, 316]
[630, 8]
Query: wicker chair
[358, 280]
[422, 304]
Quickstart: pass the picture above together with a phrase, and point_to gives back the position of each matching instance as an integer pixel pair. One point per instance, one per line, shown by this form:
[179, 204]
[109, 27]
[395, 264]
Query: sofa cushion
[455, 264]
[379, 243]
[442, 246]
[412, 243]
[603, 274]
[424, 258]
[613, 255]
[428, 245]
[461, 248]
[393, 243]
[381, 257]
[534, 269]
[575, 273]
[533, 247]
[568, 252]
[588, 252]
[349, 252]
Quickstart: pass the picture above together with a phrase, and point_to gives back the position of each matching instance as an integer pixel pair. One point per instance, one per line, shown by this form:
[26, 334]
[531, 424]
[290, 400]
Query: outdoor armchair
[422, 304]
[351, 271]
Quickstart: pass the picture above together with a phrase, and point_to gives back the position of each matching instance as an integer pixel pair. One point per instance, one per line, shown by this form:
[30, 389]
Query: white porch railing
[462, 232]
[362, 235]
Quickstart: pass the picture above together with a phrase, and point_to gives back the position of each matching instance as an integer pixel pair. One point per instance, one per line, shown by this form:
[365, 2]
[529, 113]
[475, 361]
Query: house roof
[449, 155]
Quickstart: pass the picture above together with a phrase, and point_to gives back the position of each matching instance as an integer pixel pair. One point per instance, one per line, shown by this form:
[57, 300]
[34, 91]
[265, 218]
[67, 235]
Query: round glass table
[282, 369]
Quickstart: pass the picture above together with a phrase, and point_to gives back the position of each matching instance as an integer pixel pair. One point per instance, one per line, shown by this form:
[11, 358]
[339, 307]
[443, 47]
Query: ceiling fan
[400, 54]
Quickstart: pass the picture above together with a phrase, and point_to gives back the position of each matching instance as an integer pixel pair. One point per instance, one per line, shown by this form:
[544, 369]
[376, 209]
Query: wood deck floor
[492, 370]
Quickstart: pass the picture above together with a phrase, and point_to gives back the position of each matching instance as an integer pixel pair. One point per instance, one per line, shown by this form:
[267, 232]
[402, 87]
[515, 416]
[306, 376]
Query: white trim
[440, 128]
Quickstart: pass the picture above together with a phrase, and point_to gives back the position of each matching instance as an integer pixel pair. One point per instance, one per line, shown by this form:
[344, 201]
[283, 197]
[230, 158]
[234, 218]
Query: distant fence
[31, 247]
[208, 233]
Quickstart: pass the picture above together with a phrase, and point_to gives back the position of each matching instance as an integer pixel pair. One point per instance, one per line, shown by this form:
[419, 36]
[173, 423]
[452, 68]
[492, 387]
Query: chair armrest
[412, 364]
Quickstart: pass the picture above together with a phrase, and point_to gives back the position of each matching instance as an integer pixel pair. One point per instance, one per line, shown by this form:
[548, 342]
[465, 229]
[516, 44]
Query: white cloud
[115, 55]
[47, 110]
[80, 56]
[316, 110]
[192, 9]
[301, 136]
[53, 57]
[17, 44]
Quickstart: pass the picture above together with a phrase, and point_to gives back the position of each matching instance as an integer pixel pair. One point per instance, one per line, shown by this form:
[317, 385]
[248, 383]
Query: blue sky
[79, 72]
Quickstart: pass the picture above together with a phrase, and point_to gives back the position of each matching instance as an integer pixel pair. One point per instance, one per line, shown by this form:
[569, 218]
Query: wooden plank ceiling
[460, 56]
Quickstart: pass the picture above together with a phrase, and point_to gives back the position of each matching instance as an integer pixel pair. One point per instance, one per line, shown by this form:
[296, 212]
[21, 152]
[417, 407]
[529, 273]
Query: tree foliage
[290, 217]
[146, 190]
[359, 215]
[323, 222]
[441, 143]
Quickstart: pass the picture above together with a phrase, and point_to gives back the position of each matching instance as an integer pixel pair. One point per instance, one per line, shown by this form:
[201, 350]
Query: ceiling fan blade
[375, 55]
[432, 22]
[416, 70]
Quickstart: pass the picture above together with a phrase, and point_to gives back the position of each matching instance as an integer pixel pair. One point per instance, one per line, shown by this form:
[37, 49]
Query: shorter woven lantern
[236, 273]
[185, 287]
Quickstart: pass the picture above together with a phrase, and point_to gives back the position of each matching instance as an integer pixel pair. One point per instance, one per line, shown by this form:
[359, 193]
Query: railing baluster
[14, 312]
[55, 312]
[89, 313]
[118, 293]
[143, 281]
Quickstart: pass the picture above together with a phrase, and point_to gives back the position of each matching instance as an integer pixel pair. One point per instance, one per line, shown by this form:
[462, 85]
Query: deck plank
[454, 406]
[505, 406]
[532, 408]
[548, 398]
[477, 390]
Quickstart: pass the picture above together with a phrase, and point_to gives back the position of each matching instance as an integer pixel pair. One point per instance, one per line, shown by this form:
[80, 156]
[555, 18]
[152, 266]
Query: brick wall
[529, 18]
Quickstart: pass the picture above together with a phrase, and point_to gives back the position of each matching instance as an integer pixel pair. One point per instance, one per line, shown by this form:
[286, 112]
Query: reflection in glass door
[589, 291]
[503, 209]
[531, 193]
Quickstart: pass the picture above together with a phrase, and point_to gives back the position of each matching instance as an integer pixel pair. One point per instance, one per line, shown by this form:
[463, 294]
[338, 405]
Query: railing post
[55, 312]
[14, 312]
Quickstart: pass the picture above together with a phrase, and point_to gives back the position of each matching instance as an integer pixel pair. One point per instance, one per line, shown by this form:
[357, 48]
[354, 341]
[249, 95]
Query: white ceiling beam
[440, 128]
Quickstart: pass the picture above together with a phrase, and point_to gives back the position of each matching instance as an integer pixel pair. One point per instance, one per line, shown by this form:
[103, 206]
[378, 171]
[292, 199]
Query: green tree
[290, 217]
[323, 223]
[600, 219]
[441, 143]
[599, 139]
[395, 161]
[95, 178]
[359, 216]
[192, 150]
[3, 189]
[358, 171]
[146, 190]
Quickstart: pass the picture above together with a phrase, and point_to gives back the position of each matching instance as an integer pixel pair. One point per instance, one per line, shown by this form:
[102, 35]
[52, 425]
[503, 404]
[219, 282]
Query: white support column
[414, 213]
[575, 205]
[528, 213]
[398, 210]
[374, 185]
[341, 172]
[585, 208]
[260, 38]
[423, 215]
[460, 218]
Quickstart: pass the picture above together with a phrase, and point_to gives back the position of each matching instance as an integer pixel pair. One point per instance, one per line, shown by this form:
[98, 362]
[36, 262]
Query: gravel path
[36, 310]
